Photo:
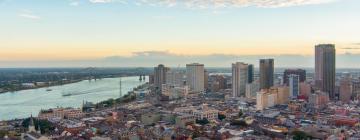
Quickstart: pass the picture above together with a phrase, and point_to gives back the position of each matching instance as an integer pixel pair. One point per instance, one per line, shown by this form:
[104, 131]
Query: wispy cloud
[153, 58]
[74, 3]
[205, 4]
[101, 1]
[163, 17]
[351, 48]
[28, 14]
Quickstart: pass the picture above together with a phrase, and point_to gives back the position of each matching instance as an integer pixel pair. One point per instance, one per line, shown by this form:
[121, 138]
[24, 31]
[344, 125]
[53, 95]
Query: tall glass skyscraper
[294, 81]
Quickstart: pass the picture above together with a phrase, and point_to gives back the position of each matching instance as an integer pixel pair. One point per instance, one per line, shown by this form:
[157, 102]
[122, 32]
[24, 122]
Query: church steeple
[31, 125]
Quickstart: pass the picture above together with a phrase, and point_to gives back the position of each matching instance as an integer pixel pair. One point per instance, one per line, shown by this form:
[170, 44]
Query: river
[23, 103]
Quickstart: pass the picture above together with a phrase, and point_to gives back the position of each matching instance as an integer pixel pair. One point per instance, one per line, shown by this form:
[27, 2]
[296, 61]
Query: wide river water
[23, 103]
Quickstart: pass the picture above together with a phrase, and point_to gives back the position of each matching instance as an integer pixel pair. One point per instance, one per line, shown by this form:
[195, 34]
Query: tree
[45, 126]
[238, 123]
[203, 121]
[221, 116]
[240, 113]
[299, 135]
[3, 133]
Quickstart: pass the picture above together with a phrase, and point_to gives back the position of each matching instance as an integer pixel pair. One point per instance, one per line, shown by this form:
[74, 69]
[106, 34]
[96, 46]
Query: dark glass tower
[266, 73]
[250, 73]
[325, 68]
[300, 72]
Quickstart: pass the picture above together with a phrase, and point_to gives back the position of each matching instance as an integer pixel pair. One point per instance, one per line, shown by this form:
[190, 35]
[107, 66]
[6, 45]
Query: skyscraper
[325, 68]
[195, 76]
[266, 73]
[239, 79]
[294, 81]
[300, 72]
[160, 75]
[175, 78]
[250, 73]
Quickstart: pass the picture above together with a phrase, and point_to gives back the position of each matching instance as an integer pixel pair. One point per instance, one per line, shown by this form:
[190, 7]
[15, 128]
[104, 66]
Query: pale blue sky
[61, 30]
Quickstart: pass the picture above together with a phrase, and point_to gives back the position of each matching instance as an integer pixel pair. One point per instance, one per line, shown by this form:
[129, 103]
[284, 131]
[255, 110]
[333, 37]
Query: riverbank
[23, 103]
[42, 86]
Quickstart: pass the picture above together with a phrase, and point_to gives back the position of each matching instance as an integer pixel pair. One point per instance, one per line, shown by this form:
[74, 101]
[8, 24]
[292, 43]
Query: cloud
[163, 17]
[351, 48]
[28, 14]
[101, 1]
[153, 58]
[74, 3]
[205, 4]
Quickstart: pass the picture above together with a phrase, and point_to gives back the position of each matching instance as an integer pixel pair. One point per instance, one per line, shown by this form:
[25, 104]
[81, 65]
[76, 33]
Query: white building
[175, 78]
[201, 112]
[195, 77]
[239, 78]
[252, 89]
[61, 113]
[175, 92]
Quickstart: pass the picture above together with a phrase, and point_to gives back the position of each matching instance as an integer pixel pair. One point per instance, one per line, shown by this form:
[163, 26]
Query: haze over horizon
[127, 33]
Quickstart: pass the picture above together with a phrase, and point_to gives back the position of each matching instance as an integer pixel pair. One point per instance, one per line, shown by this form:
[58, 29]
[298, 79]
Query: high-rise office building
[175, 78]
[250, 73]
[266, 73]
[300, 72]
[355, 89]
[195, 73]
[239, 79]
[160, 75]
[294, 86]
[325, 68]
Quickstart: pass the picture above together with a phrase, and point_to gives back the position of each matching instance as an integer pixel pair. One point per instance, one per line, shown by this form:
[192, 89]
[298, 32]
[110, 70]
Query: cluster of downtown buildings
[293, 85]
[196, 103]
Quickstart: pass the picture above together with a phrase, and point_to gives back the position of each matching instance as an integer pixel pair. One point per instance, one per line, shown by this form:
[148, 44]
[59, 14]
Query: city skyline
[69, 33]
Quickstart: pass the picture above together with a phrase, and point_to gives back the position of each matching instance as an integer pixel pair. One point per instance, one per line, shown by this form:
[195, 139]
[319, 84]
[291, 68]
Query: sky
[121, 33]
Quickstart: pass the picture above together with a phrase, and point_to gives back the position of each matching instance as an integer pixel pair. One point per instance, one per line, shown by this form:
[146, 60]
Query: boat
[66, 94]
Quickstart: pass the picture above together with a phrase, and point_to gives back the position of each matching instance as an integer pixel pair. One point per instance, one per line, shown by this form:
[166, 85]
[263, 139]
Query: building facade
[252, 89]
[195, 73]
[160, 75]
[294, 86]
[266, 73]
[239, 79]
[345, 90]
[300, 72]
[250, 73]
[325, 68]
[175, 78]
[270, 97]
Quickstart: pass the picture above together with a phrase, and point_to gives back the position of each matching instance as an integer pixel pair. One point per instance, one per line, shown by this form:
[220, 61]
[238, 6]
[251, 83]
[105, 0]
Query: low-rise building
[184, 120]
[201, 112]
[61, 113]
[174, 92]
